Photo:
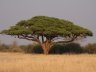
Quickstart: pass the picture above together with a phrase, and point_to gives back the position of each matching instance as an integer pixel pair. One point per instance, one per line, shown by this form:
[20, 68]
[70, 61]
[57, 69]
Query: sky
[81, 12]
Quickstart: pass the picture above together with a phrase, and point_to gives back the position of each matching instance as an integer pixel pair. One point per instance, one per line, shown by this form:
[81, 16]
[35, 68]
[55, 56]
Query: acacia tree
[47, 30]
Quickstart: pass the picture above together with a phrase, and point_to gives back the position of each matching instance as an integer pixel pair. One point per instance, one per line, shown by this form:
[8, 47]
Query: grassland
[18, 62]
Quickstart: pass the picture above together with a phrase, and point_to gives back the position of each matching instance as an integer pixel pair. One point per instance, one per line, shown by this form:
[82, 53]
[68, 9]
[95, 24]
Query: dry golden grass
[17, 62]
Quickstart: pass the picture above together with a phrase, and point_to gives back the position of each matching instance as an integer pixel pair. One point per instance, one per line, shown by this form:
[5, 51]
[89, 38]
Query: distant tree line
[71, 48]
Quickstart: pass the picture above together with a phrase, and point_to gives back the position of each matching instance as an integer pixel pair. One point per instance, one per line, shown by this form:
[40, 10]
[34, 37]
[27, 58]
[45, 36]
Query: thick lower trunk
[46, 47]
[45, 51]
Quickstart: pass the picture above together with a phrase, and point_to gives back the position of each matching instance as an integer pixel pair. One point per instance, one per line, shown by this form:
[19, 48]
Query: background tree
[47, 30]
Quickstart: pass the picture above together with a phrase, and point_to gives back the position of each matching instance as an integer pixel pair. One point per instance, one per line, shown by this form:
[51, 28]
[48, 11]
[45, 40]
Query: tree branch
[73, 37]
[32, 38]
[42, 38]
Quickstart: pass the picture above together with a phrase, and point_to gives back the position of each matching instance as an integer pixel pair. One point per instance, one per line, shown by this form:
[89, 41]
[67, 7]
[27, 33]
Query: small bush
[66, 48]
[60, 49]
[32, 49]
[56, 49]
[27, 48]
[37, 49]
[4, 48]
[72, 48]
[90, 48]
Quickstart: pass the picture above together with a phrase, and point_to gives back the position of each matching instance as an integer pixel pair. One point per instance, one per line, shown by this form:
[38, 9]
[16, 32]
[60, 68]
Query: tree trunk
[46, 51]
[46, 46]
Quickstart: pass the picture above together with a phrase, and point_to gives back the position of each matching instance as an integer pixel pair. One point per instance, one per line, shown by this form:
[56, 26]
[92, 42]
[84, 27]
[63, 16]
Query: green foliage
[43, 30]
[48, 26]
